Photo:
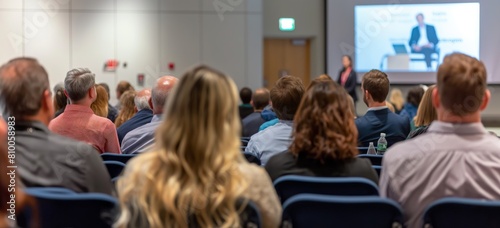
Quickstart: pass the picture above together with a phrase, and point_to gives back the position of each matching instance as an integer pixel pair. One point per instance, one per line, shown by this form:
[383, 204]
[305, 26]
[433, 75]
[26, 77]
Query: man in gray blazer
[43, 158]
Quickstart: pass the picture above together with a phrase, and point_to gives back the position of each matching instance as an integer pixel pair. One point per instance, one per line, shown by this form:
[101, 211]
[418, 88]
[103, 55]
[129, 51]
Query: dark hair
[461, 83]
[324, 127]
[60, 99]
[22, 84]
[377, 84]
[349, 58]
[123, 86]
[420, 14]
[106, 87]
[245, 95]
[321, 78]
[286, 96]
[415, 95]
[260, 98]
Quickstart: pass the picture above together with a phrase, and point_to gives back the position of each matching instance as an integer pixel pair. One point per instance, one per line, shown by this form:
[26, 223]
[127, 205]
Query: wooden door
[286, 57]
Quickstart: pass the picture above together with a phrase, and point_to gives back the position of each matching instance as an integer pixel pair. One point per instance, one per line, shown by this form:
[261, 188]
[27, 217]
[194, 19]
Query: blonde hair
[390, 106]
[128, 108]
[100, 105]
[192, 174]
[397, 99]
[426, 112]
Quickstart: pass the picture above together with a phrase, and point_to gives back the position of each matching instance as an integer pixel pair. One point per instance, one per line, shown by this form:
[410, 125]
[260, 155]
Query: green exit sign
[287, 24]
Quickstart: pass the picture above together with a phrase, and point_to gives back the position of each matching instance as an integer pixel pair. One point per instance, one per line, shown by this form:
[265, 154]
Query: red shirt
[79, 122]
[345, 76]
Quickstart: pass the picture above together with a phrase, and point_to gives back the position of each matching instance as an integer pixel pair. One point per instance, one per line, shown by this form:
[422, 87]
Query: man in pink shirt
[79, 121]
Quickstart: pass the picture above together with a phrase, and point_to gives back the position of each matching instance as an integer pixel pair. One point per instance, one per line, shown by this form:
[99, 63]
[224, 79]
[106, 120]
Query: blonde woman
[397, 100]
[196, 173]
[127, 109]
[426, 113]
[100, 105]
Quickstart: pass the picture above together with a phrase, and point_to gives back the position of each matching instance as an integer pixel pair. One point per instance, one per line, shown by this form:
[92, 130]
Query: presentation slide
[409, 39]
[413, 37]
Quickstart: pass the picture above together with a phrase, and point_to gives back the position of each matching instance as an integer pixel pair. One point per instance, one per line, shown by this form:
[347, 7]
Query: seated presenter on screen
[423, 39]
[347, 77]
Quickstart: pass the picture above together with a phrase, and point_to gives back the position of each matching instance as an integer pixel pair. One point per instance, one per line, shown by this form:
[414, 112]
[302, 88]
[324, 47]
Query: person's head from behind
[375, 87]
[106, 87]
[420, 19]
[346, 61]
[160, 92]
[127, 109]
[319, 79]
[80, 86]
[196, 158]
[100, 105]
[141, 100]
[324, 126]
[122, 87]
[25, 91]
[260, 99]
[286, 96]
[426, 113]
[461, 92]
[396, 98]
[415, 95]
[60, 99]
[246, 95]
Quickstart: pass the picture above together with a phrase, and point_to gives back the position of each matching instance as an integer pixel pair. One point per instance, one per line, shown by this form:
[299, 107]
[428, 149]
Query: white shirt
[423, 36]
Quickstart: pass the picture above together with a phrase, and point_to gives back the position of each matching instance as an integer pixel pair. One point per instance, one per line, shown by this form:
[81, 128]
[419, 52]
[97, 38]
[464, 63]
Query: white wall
[145, 34]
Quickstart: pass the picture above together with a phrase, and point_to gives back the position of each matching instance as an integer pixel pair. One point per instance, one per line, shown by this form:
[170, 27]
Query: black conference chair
[77, 210]
[291, 185]
[114, 168]
[312, 210]
[374, 159]
[377, 169]
[252, 158]
[461, 212]
[123, 158]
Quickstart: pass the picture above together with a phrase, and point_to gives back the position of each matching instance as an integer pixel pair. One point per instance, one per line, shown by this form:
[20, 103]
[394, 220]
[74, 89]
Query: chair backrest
[377, 169]
[363, 150]
[123, 158]
[53, 190]
[114, 168]
[374, 159]
[461, 212]
[244, 141]
[291, 185]
[71, 210]
[311, 210]
[252, 158]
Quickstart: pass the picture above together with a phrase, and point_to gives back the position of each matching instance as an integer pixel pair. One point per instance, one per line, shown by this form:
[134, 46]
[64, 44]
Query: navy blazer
[139, 119]
[350, 84]
[431, 35]
[374, 122]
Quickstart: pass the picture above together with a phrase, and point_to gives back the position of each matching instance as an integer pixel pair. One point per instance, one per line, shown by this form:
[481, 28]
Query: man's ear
[486, 100]
[48, 104]
[150, 102]
[435, 99]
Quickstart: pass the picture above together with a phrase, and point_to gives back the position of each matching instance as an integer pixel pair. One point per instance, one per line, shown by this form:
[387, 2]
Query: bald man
[43, 158]
[143, 115]
[251, 123]
[142, 138]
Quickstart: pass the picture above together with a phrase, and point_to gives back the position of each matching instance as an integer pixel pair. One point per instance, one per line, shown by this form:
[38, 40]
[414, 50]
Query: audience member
[348, 78]
[457, 157]
[100, 105]
[45, 159]
[196, 174]
[397, 100]
[426, 113]
[252, 122]
[390, 106]
[79, 121]
[269, 116]
[412, 101]
[127, 108]
[285, 98]
[121, 88]
[142, 138]
[60, 99]
[245, 108]
[324, 138]
[379, 119]
[112, 111]
[143, 114]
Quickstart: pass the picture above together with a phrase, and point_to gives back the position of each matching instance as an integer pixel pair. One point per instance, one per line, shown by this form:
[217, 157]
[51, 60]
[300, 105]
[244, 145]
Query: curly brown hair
[324, 127]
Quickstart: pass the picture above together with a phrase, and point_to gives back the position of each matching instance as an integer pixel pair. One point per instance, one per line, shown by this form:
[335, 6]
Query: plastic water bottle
[371, 149]
[382, 144]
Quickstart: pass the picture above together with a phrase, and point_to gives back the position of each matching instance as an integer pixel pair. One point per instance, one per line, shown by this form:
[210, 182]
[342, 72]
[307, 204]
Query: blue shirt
[139, 119]
[142, 138]
[271, 141]
[251, 124]
[382, 120]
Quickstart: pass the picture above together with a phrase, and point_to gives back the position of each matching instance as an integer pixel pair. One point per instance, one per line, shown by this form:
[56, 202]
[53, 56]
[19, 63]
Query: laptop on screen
[400, 48]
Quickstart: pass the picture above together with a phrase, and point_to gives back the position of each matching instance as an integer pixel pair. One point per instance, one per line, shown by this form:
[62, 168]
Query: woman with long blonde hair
[397, 100]
[426, 113]
[127, 109]
[196, 173]
[100, 105]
